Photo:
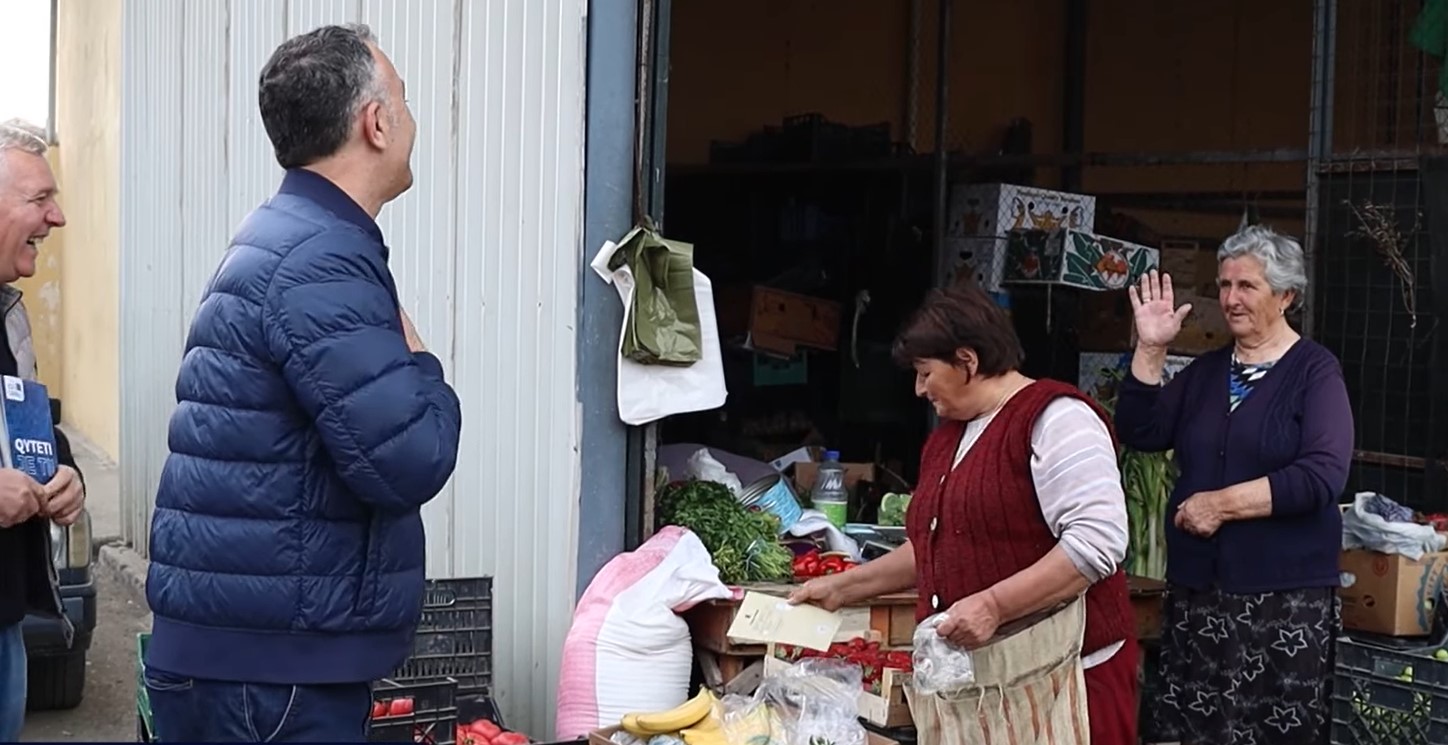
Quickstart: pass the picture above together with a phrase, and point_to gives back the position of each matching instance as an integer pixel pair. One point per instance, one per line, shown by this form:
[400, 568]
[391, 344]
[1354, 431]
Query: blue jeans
[193, 710]
[12, 683]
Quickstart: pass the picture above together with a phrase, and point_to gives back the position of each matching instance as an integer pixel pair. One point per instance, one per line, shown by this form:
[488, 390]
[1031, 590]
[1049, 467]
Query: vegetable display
[814, 564]
[743, 543]
[892, 509]
[1147, 479]
[871, 659]
[695, 721]
[486, 732]
[397, 707]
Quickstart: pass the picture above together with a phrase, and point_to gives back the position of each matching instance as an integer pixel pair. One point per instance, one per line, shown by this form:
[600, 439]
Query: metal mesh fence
[1377, 145]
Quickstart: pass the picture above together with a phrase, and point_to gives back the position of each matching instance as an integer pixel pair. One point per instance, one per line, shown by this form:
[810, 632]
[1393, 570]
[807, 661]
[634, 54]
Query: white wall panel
[152, 287]
[257, 27]
[421, 225]
[485, 249]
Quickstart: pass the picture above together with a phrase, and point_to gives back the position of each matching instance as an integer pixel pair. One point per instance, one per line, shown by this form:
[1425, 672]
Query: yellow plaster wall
[88, 81]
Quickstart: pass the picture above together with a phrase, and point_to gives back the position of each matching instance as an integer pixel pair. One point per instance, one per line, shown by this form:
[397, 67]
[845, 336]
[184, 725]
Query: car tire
[56, 682]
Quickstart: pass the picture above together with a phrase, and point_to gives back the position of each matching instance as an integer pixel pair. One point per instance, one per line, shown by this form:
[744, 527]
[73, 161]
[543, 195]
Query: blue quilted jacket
[287, 544]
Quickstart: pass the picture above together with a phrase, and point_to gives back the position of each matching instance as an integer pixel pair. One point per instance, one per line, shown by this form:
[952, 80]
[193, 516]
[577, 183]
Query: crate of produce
[1387, 696]
[1392, 689]
[885, 672]
[417, 712]
[455, 636]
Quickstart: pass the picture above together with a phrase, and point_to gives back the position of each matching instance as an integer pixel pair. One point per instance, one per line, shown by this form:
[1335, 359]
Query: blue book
[28, 429]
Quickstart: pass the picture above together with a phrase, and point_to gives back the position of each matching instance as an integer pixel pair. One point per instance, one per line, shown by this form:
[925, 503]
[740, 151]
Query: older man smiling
[28, 212]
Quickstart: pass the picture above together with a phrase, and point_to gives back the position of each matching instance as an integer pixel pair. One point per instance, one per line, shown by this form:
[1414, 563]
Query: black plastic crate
[871, 141]
[434, 716]
[455, 636]
[1387, 696]
[473, 708]
[811, 138]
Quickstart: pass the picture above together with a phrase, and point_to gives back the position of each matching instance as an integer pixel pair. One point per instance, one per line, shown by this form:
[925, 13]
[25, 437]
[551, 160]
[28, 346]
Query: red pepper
[811, 566]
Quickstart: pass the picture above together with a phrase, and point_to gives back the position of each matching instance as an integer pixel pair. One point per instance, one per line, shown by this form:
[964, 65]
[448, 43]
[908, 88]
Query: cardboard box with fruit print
[1075, 258]
[982, 216]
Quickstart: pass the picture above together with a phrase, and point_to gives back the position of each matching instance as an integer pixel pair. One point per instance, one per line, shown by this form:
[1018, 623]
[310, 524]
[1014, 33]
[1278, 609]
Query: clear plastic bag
[817, 701]
[939, 665]
[750, 720]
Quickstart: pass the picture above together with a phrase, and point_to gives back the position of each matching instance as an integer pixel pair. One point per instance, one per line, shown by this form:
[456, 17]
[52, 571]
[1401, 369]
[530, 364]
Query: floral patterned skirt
[1246, 669]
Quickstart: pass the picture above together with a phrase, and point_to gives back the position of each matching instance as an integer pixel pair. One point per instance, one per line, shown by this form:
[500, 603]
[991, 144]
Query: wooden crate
[895, 624]
[1146, 604]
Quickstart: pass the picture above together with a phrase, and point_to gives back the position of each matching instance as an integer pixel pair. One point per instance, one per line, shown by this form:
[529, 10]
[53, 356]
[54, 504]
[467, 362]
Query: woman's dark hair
[960, 317]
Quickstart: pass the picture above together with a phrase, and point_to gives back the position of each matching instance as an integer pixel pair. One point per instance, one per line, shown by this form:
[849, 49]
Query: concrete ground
[108, 712]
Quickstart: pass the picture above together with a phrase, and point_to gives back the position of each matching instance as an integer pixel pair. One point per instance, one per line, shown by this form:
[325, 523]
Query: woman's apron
[1030, 689]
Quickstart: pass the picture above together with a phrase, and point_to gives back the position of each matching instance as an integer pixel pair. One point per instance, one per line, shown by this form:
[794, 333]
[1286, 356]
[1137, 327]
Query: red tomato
[379, 709]
[485, 729]
[511, 738]
[400, 707]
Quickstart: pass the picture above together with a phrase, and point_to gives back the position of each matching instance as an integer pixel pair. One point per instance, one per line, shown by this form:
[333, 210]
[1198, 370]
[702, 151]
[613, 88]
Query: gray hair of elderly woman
[1283, 262]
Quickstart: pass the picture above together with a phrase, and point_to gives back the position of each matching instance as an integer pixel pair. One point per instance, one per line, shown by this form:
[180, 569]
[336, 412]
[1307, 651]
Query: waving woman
[1263, 435]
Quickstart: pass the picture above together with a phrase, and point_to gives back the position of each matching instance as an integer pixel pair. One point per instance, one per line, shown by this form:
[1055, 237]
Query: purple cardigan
[1296, 428]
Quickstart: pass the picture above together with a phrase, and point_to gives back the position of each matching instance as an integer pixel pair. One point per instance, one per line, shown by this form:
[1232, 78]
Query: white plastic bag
[817, 700]
[703, 466]
[939, 666]
[627, 650]
[648, 393]
[1362, 527]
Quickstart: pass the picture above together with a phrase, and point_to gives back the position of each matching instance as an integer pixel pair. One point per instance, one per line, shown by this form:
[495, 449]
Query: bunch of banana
[759, 725]
[697, 715]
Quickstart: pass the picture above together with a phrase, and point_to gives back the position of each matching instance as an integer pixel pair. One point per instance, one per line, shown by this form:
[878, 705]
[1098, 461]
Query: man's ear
[374, 124]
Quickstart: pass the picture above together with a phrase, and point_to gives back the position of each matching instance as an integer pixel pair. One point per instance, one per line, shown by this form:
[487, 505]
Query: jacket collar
[9, 296]
[317, 188]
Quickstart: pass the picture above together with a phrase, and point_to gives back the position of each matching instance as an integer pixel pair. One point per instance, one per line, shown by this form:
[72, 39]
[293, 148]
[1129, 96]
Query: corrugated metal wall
[485, 249]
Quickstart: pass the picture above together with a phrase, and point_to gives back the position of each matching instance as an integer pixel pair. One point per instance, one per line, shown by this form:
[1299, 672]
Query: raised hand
[1158, 320]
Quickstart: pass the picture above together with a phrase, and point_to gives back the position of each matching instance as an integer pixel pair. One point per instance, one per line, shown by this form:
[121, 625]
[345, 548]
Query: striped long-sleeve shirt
[1074, 468]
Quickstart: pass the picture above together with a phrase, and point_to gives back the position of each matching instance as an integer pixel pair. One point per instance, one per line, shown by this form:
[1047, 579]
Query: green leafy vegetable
[743, 543]
[1147, 479]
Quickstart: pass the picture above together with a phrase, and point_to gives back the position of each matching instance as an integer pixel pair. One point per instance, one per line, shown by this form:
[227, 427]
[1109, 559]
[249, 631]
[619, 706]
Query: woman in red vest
[1018, 507]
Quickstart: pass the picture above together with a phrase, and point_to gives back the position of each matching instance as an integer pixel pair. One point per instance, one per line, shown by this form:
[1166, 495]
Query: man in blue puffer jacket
[287, 546]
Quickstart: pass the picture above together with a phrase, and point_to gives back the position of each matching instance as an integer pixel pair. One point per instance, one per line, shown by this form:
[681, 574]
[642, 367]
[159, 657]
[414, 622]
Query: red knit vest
[981, 522]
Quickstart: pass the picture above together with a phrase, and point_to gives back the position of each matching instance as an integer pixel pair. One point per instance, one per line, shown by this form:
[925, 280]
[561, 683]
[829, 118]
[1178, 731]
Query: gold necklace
[1004, 398]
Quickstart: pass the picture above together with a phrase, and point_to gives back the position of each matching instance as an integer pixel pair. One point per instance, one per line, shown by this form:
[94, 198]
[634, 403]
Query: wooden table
[892, 616]
[1146, 599]
[727, 660]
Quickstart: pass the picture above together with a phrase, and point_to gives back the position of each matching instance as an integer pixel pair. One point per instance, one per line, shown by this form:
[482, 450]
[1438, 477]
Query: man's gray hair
[312, 88]
[1283, 261]
[18, 134]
